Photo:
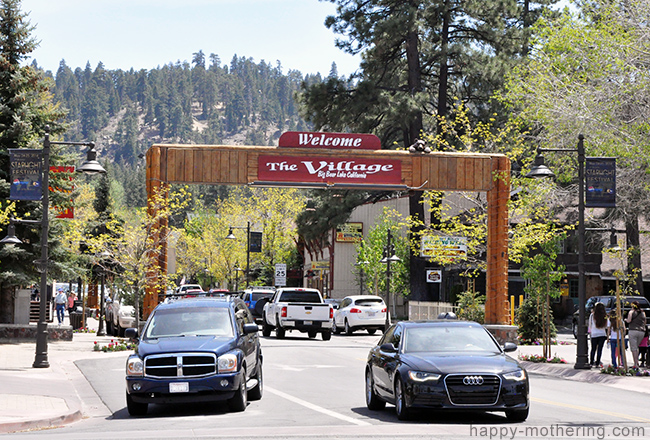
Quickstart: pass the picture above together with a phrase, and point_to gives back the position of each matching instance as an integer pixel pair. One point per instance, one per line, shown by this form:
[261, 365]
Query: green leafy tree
[535, 318]
[587, 74]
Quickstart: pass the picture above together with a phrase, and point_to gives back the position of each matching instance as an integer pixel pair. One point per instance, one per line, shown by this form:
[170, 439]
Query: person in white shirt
[598, 331]
[60, 301]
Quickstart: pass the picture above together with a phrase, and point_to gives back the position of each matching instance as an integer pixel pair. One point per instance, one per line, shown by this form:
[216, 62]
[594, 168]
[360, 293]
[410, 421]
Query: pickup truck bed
[285, 312]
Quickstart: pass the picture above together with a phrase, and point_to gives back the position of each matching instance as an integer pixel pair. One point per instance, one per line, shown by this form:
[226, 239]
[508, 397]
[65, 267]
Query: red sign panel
[329, 170]
[336, 141]
[62, 212]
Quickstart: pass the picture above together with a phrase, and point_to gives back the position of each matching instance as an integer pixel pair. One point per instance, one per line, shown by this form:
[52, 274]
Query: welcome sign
[329, 170]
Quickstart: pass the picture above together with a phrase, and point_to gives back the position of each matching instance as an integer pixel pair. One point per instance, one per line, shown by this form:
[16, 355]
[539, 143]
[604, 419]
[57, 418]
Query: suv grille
[180, 365]
[477, 392]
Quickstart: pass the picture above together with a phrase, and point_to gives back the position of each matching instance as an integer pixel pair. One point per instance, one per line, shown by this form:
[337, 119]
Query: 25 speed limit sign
[280, 274]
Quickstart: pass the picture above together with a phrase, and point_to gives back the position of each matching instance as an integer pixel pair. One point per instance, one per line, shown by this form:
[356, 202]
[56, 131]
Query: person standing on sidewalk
[613, 335]
[60, 301]
[636, 330]
[598, 331]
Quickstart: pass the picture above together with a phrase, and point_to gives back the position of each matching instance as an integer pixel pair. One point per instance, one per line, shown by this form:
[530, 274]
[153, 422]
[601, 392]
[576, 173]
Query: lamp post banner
[255, 244]
[26, 167]
[600, 182]
[361, 170]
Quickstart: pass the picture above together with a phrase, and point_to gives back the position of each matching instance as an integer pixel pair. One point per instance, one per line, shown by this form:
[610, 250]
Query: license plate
[179, 387]
[371, 314]
[307, 322]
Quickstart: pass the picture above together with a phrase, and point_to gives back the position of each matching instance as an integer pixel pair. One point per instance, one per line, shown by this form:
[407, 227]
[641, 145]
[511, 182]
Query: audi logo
[473, 380]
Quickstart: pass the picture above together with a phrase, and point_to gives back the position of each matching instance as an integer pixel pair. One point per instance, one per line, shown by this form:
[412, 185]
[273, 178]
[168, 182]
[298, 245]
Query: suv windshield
[194, 321]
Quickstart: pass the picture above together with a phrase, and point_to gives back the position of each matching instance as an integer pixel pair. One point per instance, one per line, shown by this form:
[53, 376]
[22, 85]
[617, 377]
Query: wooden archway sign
[244, 165]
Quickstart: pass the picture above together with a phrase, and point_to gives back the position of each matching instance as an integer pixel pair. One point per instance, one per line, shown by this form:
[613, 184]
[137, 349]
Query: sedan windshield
[195, 321]
[448, 339]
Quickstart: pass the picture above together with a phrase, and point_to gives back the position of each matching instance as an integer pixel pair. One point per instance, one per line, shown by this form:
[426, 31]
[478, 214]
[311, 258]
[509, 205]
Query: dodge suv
[195, 350]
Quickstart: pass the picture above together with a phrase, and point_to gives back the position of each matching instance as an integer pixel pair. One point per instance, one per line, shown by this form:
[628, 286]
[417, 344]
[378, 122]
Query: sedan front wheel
[373, 402]
[402, 410]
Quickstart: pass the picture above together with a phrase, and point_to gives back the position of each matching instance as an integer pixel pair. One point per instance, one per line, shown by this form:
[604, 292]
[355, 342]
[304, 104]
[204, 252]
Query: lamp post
[540, 170]
[389, 257]
[231, 236]
[91, 166]
[103, 257]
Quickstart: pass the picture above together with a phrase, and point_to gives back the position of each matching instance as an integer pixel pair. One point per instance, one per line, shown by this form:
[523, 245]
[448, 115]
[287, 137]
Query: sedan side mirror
[509, 347]
[388, 348]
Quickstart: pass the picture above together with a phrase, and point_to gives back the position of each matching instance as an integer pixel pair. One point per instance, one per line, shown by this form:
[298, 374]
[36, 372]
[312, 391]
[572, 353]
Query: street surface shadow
[432, 416]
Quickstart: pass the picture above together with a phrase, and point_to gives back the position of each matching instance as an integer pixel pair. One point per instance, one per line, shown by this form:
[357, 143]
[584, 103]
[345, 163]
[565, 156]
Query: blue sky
[145, 34]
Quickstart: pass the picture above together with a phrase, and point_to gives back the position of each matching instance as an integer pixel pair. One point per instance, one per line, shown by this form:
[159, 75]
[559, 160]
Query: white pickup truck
[296, 308]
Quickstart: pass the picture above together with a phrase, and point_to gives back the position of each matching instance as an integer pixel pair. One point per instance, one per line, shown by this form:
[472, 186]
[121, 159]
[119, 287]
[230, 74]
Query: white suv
[119, 316]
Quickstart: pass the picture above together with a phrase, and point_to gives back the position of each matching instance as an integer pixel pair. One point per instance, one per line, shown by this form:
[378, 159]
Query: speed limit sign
[280, 274]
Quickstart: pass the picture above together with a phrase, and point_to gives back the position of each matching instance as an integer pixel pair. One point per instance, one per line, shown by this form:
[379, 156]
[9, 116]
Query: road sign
[280, 274]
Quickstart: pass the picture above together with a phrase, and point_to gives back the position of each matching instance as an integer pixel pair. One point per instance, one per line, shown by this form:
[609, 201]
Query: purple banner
[25, 174]
[600, 182]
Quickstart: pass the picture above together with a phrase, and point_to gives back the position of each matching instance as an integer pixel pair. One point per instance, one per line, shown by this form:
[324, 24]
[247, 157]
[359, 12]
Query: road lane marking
[593, 410]
[317, 408]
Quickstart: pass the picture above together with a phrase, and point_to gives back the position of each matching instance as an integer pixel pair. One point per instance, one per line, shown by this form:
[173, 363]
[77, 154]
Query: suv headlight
[422, 376]
[515, 376]
[134, 366]
[227, 363]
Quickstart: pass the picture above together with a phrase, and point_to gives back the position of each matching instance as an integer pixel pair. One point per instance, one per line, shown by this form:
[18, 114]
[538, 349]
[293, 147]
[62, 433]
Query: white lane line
[316, 407]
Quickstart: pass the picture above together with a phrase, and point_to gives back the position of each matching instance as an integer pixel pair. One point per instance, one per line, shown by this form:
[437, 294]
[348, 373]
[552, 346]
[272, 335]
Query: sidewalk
[37, 398]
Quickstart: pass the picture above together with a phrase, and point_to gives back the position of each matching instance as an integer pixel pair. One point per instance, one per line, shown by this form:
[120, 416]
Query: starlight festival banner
[26, 174]
[600, 182]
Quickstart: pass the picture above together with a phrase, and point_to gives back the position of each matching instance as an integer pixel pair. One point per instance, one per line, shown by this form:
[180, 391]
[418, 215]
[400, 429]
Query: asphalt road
[315, 389]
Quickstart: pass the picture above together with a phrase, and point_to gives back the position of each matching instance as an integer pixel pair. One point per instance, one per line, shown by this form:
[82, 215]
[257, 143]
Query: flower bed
[522, 341]
[539, 358]
[119, 345]
[621, 371]
[85, 330]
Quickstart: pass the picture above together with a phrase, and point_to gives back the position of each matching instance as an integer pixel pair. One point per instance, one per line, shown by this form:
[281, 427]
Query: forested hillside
[202, 102]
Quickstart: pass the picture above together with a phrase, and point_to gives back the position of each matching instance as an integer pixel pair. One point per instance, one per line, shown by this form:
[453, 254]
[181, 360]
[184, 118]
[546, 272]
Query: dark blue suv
[195, 350]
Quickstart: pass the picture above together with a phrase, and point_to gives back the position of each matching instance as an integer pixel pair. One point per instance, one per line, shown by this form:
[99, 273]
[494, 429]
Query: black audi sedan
[445, 365]
[195, 350]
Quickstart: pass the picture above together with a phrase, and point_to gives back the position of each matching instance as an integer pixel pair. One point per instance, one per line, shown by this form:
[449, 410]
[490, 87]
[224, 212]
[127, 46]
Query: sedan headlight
[227, 363]
[421, 376]
[515, 376]
[134, 366]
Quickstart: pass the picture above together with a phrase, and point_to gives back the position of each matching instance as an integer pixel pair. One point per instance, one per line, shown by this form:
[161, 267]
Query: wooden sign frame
[238, 165]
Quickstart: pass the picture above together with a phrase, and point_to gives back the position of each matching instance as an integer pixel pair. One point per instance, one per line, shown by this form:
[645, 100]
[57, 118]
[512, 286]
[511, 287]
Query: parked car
[253, 296]
[180, 290]
[195, 350]
[218, 292]
[360, 312]
[118, 315]
[610, 304]
[445, 365]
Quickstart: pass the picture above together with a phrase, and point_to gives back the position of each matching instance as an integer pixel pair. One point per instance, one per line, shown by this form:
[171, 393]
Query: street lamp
[389, 257]
[231, 236]
[539, 170]
[361, 265]
[91, 166]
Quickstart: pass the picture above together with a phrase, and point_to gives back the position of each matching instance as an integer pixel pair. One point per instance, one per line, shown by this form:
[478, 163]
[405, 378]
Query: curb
[45, 423]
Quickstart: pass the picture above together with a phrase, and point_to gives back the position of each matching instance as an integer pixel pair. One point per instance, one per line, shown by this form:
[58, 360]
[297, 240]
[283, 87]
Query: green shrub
[530, 321]
[470, 307]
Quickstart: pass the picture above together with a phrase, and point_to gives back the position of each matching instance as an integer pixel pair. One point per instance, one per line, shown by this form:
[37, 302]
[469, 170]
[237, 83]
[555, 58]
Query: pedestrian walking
[643, 349]
[60, 301]
[71, 299]
[613, 336]
[598, 331]
[636, 330]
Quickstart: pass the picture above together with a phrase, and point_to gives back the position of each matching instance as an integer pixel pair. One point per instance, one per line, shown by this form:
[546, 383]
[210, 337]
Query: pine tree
[25, 108]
